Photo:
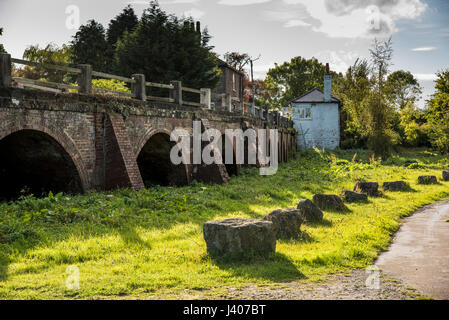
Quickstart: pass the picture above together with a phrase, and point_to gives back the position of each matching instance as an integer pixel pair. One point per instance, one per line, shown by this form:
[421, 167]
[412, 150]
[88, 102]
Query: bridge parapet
[178, 94]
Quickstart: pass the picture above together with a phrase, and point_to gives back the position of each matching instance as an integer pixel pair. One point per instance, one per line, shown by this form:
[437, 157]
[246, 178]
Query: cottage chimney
[327, 84]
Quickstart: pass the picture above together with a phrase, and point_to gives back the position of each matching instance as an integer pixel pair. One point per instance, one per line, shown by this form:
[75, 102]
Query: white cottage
[316, 117]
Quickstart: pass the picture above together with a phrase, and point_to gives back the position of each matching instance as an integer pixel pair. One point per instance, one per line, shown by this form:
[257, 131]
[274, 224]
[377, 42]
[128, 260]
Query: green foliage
[126, 21]
[412, 126]
[369, 112]
[50, 54]
[292, 79]
[402, 89]
[165, 48]
[111, 84]
[89, 46]
[353, 89]
[437, 113]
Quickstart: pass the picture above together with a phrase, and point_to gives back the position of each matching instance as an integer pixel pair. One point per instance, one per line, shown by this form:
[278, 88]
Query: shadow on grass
[4, 263]
[305, 237]
[344, 210]
[274, 267]
[323, 223]
[132, 238]
[407, 189]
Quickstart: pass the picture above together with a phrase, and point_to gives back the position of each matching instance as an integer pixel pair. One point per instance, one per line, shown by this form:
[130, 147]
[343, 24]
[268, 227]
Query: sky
[334, 31]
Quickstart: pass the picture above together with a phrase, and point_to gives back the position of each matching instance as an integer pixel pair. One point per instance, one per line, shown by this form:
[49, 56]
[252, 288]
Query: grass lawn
[149, 244]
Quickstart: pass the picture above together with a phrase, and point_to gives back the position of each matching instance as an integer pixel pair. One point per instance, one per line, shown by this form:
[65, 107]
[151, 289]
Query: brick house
[231, 82]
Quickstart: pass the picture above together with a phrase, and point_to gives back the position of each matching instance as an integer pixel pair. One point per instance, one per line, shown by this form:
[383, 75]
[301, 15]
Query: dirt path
[347, 286]
[419, 254]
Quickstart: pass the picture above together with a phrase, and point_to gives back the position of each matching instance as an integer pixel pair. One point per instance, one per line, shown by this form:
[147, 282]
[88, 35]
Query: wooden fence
[138, 83]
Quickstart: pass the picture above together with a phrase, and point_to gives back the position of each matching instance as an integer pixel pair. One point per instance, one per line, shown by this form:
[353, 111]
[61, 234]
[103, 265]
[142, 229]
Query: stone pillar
[206, 97]
[138, 89]
[176, 92]
[226, 102]
[5, 70]
[85, 78]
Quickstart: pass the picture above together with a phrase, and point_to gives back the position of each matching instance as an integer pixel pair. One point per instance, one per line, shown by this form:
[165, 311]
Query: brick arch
[147, 136]
[60, 137]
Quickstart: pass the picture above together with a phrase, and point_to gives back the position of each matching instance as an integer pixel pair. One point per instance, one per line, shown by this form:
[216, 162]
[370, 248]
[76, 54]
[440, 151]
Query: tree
[380, 133]
[292, 79]
[354, 90]
[89, 46]
[2, 49]
[402, 91]
[50, 54]
[166, 48]
[237, 60]
[125, 22]
[403, 88]
[437, 113]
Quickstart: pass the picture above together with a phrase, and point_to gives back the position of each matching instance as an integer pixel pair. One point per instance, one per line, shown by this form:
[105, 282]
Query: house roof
[314, 96]
[222, 63]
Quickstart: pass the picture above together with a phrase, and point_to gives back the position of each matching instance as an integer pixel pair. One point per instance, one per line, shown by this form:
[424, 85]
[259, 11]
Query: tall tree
[126, 21]
[292, 79]
[89, 46]
[2, 49]
[403, 88]
[403, 91]
[354, 90]
[437, 113]
[381, 136]
[166, 48]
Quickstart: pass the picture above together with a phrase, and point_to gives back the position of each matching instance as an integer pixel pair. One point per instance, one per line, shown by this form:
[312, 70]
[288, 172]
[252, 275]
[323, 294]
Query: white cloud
[260, 71]
[339, 61]
[194, 13]
[296, 23]
[359, 19]
[421, 49]
[241, 2]
[425, 76]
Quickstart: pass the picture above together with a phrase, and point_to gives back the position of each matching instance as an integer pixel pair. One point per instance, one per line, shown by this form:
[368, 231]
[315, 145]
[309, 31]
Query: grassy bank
[149, 244]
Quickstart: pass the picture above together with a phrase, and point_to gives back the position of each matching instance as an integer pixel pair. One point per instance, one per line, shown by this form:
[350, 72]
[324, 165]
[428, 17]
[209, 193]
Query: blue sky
[334, 31]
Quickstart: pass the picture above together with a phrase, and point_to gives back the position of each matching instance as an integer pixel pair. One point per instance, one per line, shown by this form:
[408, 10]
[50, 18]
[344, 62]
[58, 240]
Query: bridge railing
[138, 84]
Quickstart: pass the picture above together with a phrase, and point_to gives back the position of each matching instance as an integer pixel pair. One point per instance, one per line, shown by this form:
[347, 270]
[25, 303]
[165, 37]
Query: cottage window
[304, 113]
[234, 87]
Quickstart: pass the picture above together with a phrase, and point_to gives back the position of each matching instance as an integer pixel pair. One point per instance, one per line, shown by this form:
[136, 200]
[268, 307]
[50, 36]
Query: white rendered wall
[322, 130]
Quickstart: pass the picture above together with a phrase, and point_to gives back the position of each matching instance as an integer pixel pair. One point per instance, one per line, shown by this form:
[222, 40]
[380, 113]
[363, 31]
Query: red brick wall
[103, 144]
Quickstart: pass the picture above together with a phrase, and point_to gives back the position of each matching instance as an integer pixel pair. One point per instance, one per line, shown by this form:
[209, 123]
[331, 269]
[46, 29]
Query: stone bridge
[74, 142]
